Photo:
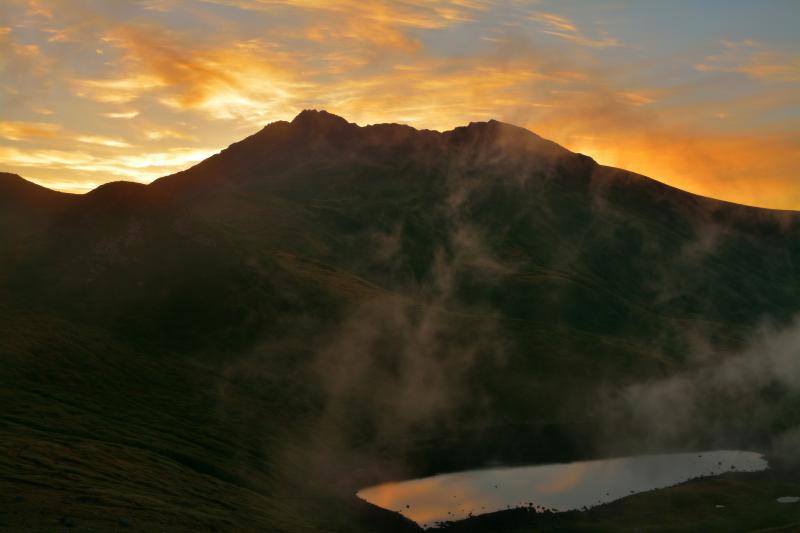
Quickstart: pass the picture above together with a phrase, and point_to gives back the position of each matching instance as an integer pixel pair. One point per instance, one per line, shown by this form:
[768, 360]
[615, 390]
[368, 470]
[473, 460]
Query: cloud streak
[564, 28]
[88, 170]
[755, 60]
[22, 131]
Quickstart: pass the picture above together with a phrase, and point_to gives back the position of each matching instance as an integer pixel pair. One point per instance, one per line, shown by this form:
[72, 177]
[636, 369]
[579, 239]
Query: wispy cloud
[374, 25]
[165, 133]
[565, 28]
[556, 22]
[18, 59]
[235, 80]
[41, 110]
[38, 8]
[755, 60]
[102, 141]
[116, 91]
[122, 114]
[101, 167]
[23, 131]
[429, 14]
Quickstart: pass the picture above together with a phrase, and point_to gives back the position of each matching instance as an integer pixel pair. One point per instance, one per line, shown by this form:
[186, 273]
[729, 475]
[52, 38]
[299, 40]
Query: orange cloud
[38, 8]
[371, 25]
[165, 133]
[123, 114]
[41, 110]
[428, 14]
[117, 91]
[244, 80]
[96, 168]
[42, 158]
[102, 141]
[23, 131]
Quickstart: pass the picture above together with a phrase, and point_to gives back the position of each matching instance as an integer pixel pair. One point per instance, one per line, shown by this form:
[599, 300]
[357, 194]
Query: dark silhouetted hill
[241, 345]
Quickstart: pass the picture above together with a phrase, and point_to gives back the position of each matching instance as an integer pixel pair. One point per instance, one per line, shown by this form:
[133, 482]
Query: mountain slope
[323, 305]
[323, 189]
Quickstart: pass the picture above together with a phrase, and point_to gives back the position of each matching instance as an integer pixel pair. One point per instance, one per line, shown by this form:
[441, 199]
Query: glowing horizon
[93, 91]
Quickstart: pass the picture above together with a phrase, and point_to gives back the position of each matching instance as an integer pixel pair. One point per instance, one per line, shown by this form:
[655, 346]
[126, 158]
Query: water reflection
[557, 487]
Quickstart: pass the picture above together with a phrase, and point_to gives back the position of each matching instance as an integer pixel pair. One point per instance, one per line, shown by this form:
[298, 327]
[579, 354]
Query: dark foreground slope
[241, 345]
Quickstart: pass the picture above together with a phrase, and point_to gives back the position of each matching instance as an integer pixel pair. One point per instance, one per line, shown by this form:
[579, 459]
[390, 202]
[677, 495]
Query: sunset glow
[701, 96]
[552, 487]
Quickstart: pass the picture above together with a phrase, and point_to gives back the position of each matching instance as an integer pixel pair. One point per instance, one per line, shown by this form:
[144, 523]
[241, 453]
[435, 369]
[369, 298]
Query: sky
[703, 95]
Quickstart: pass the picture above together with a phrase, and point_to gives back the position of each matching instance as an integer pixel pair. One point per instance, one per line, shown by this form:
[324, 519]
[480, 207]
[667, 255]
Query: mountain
[243, 344]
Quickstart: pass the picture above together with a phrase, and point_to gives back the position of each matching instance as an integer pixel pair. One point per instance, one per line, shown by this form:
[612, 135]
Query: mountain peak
[319, 118]
[507, 137]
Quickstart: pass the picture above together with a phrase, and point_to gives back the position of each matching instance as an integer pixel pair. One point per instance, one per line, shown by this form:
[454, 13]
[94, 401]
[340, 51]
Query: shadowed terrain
[322, 306]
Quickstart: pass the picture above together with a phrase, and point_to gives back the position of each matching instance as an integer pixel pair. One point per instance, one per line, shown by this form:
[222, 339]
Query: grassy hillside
[242, 345]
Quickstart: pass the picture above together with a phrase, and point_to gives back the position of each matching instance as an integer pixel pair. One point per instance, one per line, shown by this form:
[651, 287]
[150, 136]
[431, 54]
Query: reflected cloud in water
[556, 487]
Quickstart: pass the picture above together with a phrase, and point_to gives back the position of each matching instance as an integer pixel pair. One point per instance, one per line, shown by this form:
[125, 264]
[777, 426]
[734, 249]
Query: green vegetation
[243, 345]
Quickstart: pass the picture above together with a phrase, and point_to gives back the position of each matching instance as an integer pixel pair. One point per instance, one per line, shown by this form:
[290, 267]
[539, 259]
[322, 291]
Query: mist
[725, 400]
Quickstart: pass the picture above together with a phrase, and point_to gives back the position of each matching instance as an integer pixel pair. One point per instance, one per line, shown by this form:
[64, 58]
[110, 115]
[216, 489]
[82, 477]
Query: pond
[555, 487]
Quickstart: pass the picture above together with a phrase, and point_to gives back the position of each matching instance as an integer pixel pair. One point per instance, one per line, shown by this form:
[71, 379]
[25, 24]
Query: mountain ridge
[321, 307]
[321, 124]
